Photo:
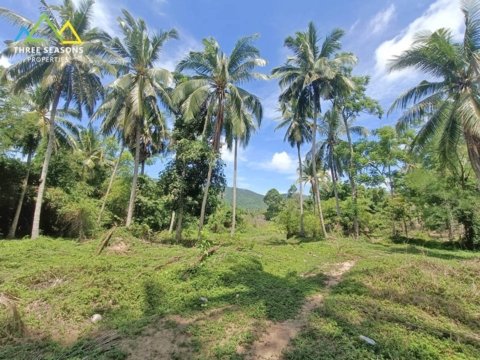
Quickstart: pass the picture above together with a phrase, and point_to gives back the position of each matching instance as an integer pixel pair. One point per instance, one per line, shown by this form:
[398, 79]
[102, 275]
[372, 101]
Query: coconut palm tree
[89, 147]
[298, 132]
[133, 106]
[450, 104]
[73, 76]
[238, 129]
[313, 73]
[309, 176]
[213, 90]
[332, 128]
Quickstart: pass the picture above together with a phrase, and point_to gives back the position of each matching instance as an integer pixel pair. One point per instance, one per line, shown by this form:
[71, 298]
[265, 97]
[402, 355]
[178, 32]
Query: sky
[375, 30]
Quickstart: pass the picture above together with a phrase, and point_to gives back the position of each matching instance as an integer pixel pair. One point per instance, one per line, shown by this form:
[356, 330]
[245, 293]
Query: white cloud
[281, 162]
[381, 20]
[441, 14]
[228, 155]
[4, 62]
[176, 50]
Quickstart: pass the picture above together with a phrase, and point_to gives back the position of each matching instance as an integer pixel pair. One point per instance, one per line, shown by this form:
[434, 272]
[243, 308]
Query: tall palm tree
[450, 104]
[313, 73]
[332, 128]
[213, 89]
[133, 106]
[73, 77]
[298, 132]
[239, 128]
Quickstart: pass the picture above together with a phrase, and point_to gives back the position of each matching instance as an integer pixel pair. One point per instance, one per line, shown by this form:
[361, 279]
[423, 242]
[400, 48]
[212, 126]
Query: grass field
[417, 301]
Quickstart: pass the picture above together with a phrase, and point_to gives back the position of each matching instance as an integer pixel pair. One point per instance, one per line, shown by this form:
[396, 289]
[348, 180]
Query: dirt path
[170, 339]
[278, 335]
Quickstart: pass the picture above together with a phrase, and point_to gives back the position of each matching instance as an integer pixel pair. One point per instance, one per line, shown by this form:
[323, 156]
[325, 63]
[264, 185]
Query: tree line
[86, 178]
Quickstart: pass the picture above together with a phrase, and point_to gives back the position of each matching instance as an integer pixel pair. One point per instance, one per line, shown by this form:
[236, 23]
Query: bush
[77, 213]
[221, 219]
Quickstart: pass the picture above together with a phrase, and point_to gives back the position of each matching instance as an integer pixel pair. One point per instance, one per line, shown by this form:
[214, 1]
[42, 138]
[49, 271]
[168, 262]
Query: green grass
[416, 302]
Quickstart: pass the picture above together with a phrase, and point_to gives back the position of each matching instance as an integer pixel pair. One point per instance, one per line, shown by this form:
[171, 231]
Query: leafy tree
[450, 105]
[213, 91]
[275, 202]
[73, 77]
[181, 183]
[350, 107]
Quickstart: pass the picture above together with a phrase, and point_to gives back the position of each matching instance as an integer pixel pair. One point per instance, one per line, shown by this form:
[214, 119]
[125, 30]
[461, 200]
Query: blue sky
[375, 31]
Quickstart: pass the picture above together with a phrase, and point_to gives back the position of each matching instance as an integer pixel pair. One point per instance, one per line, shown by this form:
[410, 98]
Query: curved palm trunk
[216, 146]
[234, 206]
[473, 146]
[334, 182]
[300, 174]
[133, 193]
[110, 184]
[315, 177]
[351, 178]
[13, 227]
[46, 163]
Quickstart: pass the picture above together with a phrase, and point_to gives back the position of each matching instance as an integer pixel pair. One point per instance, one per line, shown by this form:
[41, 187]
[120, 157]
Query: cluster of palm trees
[446, 109]
[133, 106]
[319, 95]
[316, 73]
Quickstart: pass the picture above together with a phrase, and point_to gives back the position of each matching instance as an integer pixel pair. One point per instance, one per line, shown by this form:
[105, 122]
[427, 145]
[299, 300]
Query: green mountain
[246, 199]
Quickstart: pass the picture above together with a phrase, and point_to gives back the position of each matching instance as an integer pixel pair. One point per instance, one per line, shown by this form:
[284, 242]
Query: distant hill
[246, 199]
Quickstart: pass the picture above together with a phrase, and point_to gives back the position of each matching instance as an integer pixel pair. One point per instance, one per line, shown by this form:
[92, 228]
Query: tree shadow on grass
[417, 248]
[431, 244]
[238, 281]
[407, 324]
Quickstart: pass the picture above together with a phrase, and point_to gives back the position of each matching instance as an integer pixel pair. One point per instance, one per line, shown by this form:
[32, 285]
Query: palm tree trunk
[46, 163]
[205, 198]
[13, 227]
[234, 207]
[142, 170]
[172, 223]
[315, 177]
[300, 174]
[178, 231]
[133, 193]
[473, 146]
[110, 184]
[216, 145]
[351, 178]
[334, 182]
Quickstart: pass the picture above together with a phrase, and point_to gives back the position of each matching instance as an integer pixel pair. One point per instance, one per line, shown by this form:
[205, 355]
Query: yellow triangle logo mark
[68, 25]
